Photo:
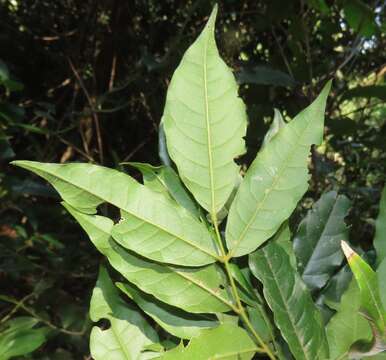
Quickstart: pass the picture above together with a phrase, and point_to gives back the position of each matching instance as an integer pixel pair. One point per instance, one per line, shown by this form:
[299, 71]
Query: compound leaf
[205, 122]
[153, 226]
[196, 290]
[276, 181]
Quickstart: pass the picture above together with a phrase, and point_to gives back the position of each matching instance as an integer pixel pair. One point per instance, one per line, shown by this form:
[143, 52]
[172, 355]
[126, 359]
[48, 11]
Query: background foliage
[86, 81]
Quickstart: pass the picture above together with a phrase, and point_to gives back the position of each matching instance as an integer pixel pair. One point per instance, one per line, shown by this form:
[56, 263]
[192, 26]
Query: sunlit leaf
[196, 290]
[204, 136]
[276, 181]
[153, 226]
[128, 332]
[224, 342]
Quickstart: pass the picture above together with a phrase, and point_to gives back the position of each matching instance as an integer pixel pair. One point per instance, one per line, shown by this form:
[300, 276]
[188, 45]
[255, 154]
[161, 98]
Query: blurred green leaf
[264, 75]
[360, 17]
[380, 229]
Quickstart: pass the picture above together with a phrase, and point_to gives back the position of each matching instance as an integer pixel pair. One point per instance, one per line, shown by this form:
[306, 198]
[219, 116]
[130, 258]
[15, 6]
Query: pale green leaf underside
[193, 290]
[294, 311]
[276, 181]
[154, 226]
[128, 333]
[205, 122]
[227, 341]
[380, 229]
[173, 320]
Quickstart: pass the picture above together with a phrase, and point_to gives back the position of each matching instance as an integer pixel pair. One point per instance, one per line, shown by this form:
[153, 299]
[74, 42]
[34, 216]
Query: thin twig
[93, 113]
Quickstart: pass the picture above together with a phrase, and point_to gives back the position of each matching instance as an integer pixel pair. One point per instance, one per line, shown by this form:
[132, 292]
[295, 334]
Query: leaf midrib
[270, 189]
[193, 281]
[136, 216]
[208, 127]
[285, 305]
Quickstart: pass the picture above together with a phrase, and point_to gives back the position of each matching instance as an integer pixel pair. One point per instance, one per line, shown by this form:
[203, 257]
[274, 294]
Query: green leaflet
[294, 311]
[154, 226]
[165, 180]
[347, 325]
[227, 341]
[380, 229]
[193, 290]
[20, 337]
[173, 320]
[204, 136]
[317, 241]
[276, 181]
[367, 282]
[128, 333]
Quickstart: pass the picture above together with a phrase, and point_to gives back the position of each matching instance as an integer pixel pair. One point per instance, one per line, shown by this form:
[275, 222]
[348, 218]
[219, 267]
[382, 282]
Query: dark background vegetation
[86, 81]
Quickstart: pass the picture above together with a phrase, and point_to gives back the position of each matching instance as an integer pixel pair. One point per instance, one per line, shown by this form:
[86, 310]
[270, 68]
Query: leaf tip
[348, 252]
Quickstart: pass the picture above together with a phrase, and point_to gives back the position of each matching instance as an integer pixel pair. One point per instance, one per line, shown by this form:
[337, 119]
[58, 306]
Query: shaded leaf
[294, 311]
[264, 75]
[347, 326]
[204, 136]
[275, 182]
[173, 320]
[380, 229]
[317, 241]
[20, 337]
[372, 91]
[360, 17]
[165, 180]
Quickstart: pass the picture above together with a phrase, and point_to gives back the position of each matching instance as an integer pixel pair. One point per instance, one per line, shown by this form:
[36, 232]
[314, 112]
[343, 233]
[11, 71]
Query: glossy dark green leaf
[294, 312]
[276, 181]
[224, 342]
[317, 241]
[173, 320]
[153, 226]
[196, 290]
[128, 333]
